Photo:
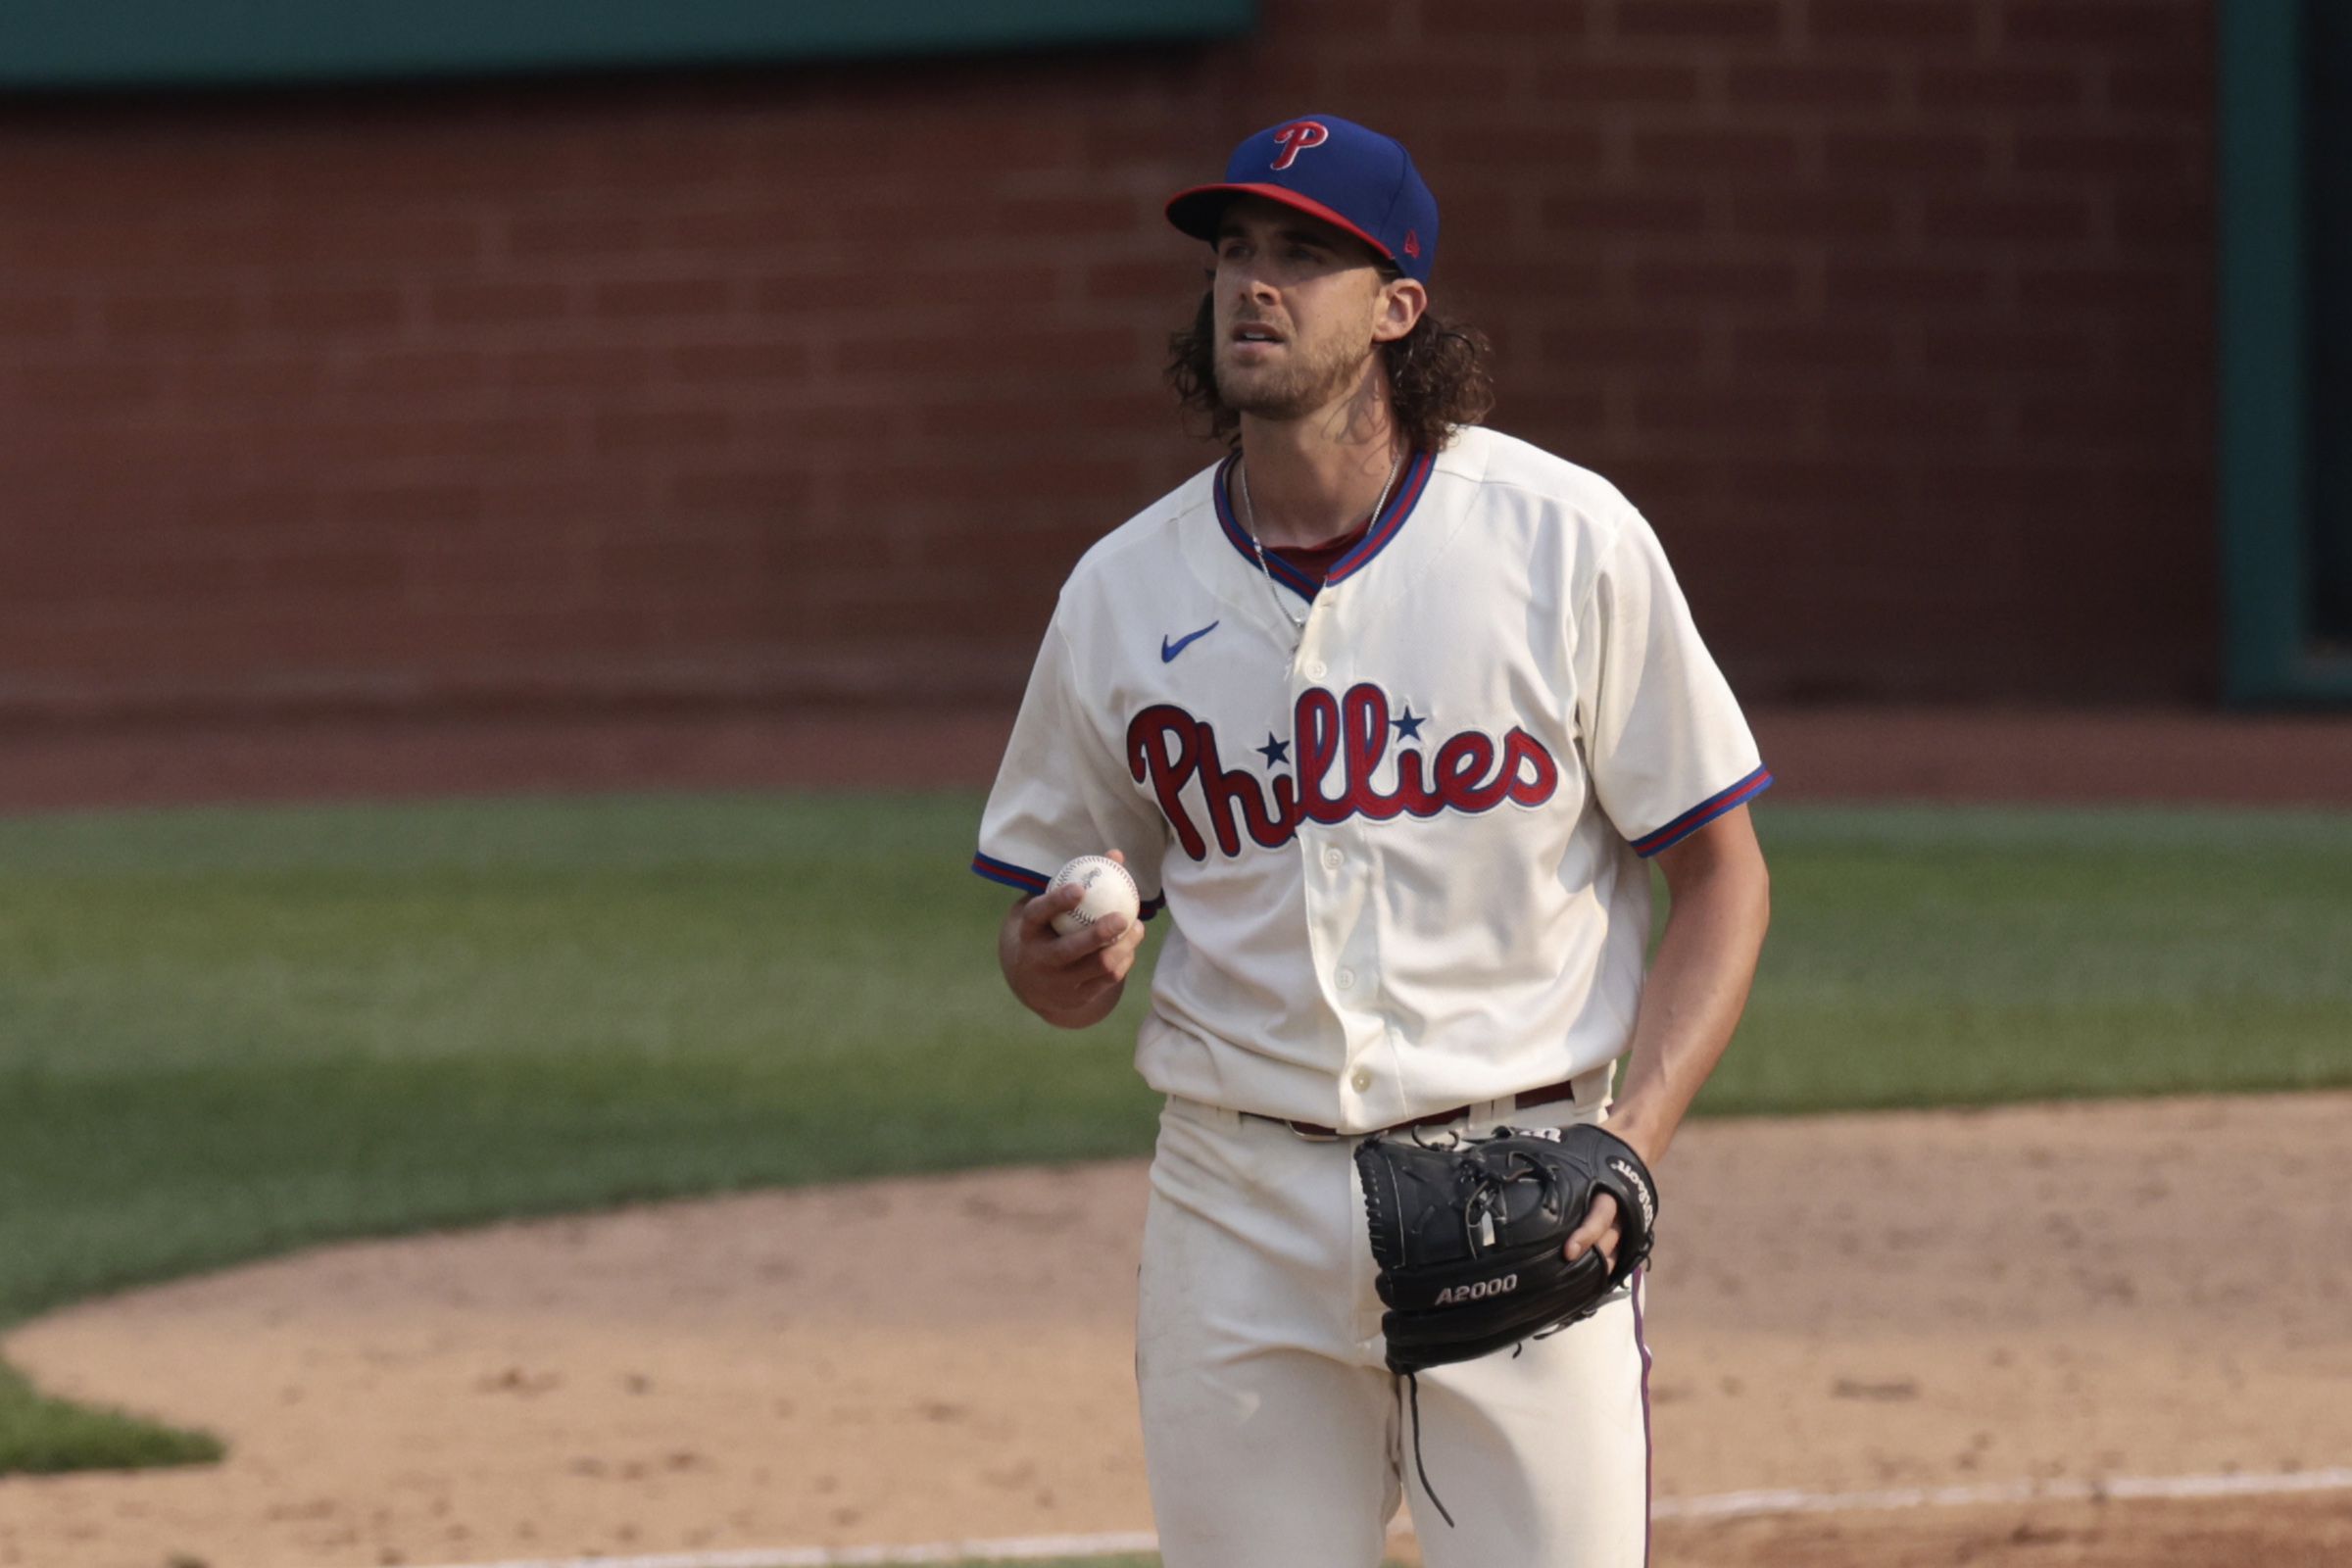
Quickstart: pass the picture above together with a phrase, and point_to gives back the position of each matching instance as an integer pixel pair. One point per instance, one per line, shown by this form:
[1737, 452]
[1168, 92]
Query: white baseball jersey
[1404, 856]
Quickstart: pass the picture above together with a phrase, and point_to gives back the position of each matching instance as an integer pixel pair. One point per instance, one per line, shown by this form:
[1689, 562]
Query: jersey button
[1345, 979]
[1317, 670]
[1333, 858]
[1360, 1079]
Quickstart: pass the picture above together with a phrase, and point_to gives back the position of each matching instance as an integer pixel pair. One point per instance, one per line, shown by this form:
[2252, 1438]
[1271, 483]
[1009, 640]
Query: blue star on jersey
[1408, 728]
[1275, 752]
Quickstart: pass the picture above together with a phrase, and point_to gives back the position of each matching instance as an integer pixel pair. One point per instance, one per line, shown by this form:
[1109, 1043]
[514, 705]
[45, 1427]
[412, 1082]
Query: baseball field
[1942, 1278]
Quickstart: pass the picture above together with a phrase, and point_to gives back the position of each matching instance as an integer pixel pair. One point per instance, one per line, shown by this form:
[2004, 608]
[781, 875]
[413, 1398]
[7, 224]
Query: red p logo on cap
[1297, 137]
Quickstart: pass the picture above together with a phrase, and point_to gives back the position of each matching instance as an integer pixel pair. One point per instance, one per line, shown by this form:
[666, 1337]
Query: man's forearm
[1699, 984]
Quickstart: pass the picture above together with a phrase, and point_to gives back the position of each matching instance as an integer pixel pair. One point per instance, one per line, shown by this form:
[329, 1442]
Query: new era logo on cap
[1353, 178]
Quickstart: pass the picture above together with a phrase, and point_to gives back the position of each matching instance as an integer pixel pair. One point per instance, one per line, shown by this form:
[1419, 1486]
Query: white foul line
[1017, 1548]
[1739, 1504]
[1721, 1506]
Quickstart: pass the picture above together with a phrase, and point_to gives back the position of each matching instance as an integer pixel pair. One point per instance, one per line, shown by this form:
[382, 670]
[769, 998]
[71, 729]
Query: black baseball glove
[1469, 1235]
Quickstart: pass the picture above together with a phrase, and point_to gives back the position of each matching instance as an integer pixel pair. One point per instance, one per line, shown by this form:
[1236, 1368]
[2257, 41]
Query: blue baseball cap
[1332, 169]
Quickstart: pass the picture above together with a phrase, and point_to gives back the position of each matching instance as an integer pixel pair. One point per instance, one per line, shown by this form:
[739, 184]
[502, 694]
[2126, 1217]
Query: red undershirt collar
[1316, 561]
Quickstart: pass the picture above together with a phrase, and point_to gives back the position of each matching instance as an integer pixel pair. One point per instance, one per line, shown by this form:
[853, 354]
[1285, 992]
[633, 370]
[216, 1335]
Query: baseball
[1109, 890]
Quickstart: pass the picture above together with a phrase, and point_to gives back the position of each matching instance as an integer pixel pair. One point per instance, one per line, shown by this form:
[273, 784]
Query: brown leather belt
[1549, 1094]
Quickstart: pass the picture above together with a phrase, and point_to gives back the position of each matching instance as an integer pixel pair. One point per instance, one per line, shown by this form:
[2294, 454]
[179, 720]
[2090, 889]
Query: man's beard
[1307, 384]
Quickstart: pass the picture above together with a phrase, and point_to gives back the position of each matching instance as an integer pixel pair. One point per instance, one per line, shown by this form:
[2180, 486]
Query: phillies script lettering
[1341, 742]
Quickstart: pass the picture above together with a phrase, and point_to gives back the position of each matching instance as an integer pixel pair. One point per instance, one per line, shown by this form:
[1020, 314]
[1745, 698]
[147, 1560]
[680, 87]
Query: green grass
[1949, 957]
[227, 1032]
[39, 1436]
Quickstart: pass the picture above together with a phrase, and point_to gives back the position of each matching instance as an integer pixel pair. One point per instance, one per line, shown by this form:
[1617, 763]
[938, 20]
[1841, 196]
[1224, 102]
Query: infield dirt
[1841, 1303]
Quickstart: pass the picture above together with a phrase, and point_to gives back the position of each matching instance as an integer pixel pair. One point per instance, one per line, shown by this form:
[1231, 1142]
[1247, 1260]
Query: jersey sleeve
[1667, 745]
[1061, 790]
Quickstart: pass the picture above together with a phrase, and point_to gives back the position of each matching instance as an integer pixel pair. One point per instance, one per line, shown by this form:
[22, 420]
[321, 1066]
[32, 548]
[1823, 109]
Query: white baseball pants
[1275, 1435]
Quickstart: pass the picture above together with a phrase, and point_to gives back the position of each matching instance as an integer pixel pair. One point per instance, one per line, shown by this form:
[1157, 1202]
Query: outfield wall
[810, 381]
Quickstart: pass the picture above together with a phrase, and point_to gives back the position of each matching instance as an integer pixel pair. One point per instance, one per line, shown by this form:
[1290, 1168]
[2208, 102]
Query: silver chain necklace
[1241, 473]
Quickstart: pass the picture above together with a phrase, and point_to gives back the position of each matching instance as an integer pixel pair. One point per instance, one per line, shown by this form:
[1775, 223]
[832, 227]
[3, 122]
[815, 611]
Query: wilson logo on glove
[1641, 1186]
[1478, 1290]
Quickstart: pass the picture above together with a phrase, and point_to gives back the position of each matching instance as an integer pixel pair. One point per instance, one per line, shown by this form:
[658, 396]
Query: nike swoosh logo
[1169, 649]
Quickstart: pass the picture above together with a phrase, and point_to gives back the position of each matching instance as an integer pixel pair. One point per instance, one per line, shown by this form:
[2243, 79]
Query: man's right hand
[1069, 981]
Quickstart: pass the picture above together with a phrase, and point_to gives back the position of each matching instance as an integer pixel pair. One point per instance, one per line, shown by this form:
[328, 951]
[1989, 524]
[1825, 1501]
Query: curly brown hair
[1440, 378]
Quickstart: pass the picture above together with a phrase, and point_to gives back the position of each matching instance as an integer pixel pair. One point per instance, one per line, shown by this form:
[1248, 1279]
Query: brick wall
[1892, 314]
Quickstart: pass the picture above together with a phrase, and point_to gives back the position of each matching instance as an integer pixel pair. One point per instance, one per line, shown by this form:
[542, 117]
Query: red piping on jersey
[1036, 882]
[1705, 811]
[1012, 875]
[1383, 528]
[1316, 561]
[1408, 492]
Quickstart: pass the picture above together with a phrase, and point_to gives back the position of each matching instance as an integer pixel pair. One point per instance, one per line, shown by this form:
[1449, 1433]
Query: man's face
[1298, 308]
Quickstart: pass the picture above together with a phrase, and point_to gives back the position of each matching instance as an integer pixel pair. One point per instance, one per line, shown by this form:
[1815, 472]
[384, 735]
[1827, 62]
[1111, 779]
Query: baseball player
[1387, 712]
